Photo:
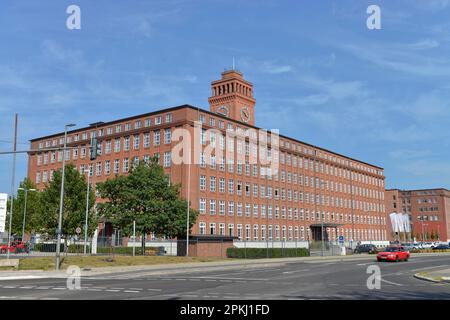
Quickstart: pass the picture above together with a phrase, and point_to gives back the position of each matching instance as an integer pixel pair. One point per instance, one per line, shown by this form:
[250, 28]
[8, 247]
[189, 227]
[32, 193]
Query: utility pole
[134, 237]
[188, 205]
[25, 209]
[61, 200]
[13, 177]
[87, 211]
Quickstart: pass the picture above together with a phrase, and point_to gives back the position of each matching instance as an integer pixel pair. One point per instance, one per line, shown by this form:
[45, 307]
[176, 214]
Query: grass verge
[48, 263]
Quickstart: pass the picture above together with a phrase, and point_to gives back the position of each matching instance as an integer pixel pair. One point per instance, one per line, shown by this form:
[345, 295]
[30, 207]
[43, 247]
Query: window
[222, 185]
[231, 208]
[202, 182]
[167, 136]
[126, 144]
[221, 207]
[255, 232]
[116, 145]
[108, 147]
[230, 186]
[168, 118]
[116, 166]
[98, 169]
[212, 184]
[156, 138]
[167, 159]
[202, 205]
[212, 228]
[239, 231]
[146, 140]
[126, 165]
[202, 228]
[107, 167]
[136, 142]
[255, 210]
[231, 230]
[212, 207]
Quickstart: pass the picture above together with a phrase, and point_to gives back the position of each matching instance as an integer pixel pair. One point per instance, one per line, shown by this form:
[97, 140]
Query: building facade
[256, 186]
[428, 209]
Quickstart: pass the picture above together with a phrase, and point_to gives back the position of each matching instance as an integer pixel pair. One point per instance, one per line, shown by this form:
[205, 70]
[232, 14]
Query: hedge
[259, 253]
[79, 248]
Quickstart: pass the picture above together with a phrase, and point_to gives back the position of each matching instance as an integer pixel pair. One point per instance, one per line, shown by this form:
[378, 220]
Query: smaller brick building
[428, 209]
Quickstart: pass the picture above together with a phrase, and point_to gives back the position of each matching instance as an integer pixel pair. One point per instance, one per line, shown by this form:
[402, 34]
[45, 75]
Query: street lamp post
[87, 210]
[61, 200]
[25, 208]
[187, 209]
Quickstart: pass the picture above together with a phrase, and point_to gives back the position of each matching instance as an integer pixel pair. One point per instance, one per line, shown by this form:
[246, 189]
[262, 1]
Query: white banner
[3, 205]
[400, 222]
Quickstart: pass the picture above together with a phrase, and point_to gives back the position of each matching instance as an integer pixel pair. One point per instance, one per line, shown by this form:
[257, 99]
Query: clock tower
[232, 96]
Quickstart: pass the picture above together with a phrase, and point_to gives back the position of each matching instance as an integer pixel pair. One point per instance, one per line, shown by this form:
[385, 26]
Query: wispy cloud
[400, 59]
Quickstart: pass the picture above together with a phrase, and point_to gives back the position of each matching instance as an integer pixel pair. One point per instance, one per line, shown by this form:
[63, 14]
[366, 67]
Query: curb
[430, 279]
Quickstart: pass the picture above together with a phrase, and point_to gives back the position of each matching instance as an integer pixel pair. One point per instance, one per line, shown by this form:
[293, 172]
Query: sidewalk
[441, 275]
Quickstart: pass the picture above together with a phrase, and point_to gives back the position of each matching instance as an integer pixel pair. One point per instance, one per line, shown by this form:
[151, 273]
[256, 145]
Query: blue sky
[319, 75]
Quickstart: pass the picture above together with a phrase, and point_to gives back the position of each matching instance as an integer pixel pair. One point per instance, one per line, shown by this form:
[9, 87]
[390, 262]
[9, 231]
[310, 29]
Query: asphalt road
[293, 280]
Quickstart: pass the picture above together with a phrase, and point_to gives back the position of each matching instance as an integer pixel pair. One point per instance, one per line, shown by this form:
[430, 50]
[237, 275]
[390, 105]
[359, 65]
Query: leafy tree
[146, 196]
[74, 211]
[32, 210]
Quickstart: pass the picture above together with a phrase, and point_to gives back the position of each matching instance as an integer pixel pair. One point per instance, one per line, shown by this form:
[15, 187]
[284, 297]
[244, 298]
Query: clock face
[245, 114]
[223, 110]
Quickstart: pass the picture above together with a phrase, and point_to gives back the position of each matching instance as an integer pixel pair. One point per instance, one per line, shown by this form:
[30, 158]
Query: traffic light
[93, 149]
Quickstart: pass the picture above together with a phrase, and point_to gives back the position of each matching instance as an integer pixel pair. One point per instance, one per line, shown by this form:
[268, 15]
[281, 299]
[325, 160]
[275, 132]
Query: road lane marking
[390, 282]
[288, 272]
[131, 291]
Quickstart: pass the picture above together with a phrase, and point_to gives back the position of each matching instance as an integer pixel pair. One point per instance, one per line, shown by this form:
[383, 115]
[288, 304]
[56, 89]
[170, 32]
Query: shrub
[259, 253]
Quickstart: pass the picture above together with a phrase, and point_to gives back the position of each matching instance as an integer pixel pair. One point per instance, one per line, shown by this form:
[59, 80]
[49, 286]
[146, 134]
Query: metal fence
[129, 246]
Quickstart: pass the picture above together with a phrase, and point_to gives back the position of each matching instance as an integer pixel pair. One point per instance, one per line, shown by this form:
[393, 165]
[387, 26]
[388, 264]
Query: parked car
[368, 248]
[407, 246]
[393, 253]
[428, 245]
[442, 247]
[15, 247]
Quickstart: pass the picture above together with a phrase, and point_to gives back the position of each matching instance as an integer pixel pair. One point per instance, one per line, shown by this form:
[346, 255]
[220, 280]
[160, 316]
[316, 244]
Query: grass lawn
[48, 263]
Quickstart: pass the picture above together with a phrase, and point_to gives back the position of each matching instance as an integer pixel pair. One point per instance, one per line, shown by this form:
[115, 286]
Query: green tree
[146, 196]
[74, 211]
[32, 210]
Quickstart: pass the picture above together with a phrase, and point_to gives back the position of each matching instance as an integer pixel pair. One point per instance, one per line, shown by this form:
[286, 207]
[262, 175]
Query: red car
[394, 253]
[16, 247]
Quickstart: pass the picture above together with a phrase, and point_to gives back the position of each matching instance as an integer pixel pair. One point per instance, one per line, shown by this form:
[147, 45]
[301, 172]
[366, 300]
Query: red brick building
[428, 209]
[311, 187]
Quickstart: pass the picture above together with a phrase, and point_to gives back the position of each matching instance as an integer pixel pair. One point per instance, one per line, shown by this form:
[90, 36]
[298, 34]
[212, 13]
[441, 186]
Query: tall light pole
[25, 209]
[188, 205]
[87, 210]
[61, 200]
[13, 176]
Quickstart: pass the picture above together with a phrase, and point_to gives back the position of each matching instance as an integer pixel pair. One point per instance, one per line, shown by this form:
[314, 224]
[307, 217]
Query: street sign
[3, 205]
[78, 230]
[341, 240]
